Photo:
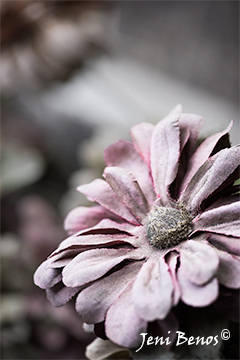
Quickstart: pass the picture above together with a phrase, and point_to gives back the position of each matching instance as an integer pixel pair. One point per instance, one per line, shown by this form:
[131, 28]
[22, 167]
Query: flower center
[167, 226]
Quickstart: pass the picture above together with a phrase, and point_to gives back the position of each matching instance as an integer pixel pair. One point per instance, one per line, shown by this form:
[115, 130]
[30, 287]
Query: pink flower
[166, 229]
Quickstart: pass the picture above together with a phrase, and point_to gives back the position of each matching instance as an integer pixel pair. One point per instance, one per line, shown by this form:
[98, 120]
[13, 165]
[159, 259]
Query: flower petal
[195, 295]
[229, 270]
[46, 276]
[127, 189]
[229, 198]
[209, 177]
[141, 135]
[152, 290]
[190, 125]
[101, 192]
[226, 243]
[223, 219]
[202, 154]
[84, 217]
[199, 261]
[165, 152]
[93, 302]
[193, 123]
[109, 227]
[124, 155]
[172, 259]
[123, 325]
[79, 243]
[93, 264]
[59, 294]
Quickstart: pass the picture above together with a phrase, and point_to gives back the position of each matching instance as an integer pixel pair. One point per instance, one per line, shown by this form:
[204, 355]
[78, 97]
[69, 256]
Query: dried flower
[166, 229]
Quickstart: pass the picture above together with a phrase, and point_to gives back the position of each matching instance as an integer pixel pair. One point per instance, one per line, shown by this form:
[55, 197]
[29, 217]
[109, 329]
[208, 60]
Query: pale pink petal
[209, 177]
[223, 219]
[127, 189]
[229, 270]
[190, 125]
[46, 276]
[193, 123]
[108, 227]
[141, 135]
[87, 242]
[199, 261]
[172, 259]
[228, 229]
[165, 152]
[225, 243]
[184, 137]
[123, 325]
[152, 290]
[124, 155]
[93, 264]
[84, 217]
[93, 302]
[101, 192]
[222, 201]
[59, 295]
[195, 295]
[202, 154]
[59, 262]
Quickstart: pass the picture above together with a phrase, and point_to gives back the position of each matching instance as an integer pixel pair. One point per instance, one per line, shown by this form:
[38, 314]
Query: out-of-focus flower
[47, 40]
[166, 229]
[38, 227]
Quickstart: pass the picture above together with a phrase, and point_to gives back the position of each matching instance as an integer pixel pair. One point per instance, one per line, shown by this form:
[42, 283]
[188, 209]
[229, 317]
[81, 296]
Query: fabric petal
[152, 290]
[193, 123]
[59, 295]
[230, 229]
[84, 217]
[123, 325]
[172, 259]
[101, 192]
[92, 264]
[124, 155]
[209, 177]
[84, 242]
[190, 125]
[228, 199]
[46, 276]
[141, 135]
[202, 154]
[229, 270]
[223, 219]
[195, 295]
[199, 262]
[226, 243]
[127, 189]
[165, 152]
[93, 302]
[108, 227]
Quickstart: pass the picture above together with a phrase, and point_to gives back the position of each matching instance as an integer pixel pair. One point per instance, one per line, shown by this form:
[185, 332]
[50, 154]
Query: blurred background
[75, 76]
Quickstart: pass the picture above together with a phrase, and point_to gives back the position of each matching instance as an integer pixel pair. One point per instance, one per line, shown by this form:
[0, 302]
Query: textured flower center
[167, 226]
